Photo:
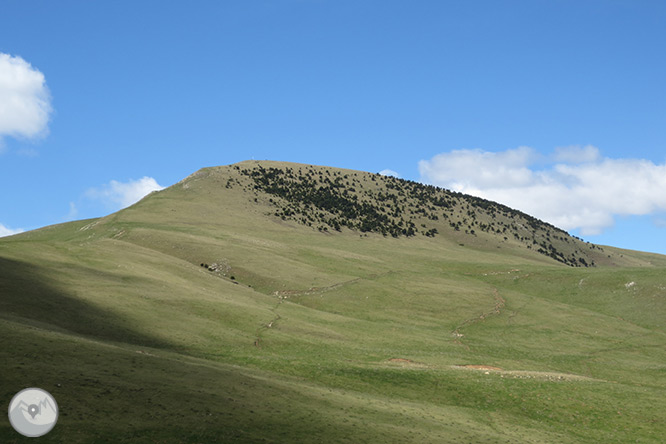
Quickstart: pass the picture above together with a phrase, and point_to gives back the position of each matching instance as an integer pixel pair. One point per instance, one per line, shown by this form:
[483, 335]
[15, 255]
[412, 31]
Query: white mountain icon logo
[33, 412]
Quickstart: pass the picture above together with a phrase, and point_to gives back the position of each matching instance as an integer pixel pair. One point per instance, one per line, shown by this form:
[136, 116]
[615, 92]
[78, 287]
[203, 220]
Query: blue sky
[555, 107]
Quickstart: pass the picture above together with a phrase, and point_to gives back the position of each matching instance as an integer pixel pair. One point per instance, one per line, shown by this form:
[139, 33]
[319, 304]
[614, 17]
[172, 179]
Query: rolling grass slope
[294, 331]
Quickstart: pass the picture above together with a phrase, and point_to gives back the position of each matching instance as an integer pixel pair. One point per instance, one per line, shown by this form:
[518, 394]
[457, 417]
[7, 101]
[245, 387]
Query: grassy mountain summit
[333, 200]
[277, 302]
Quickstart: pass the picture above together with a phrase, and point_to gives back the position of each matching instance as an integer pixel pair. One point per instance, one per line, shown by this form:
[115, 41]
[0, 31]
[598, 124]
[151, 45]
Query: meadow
[198, 315]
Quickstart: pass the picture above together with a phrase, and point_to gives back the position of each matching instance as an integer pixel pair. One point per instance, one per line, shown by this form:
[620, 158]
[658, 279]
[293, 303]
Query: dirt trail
[479, 367]
[260, 330]
[497, 309]
[319, 290]
[286, 294]
[525, 374]
[407, 363]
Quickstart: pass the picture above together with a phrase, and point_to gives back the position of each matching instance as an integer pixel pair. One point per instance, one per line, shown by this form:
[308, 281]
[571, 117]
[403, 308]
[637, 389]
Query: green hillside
[268, 302]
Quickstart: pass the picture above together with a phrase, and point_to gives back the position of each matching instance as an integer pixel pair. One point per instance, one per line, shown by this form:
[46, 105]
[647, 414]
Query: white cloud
[464, 169]
[580, 190]
[25, 101]
[118, 195]
[388, 172]
[5, 231]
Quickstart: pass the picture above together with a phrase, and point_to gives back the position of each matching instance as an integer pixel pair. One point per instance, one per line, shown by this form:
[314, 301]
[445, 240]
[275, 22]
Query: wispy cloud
[116, 195]
[577, 188]
[388, 172]
[25, 101]
[577, 154]
[6, 231]
[27, 152]
[73, 212]
[659, 221]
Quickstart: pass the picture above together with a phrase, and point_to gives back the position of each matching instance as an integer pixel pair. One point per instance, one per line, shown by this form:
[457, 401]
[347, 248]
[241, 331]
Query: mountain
[278, 302]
